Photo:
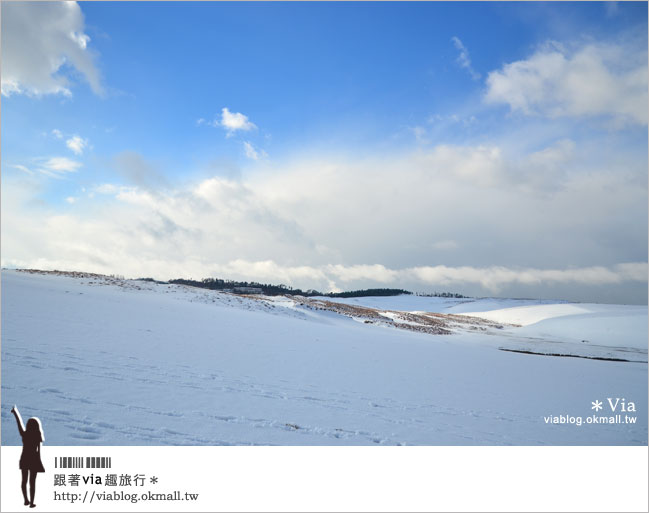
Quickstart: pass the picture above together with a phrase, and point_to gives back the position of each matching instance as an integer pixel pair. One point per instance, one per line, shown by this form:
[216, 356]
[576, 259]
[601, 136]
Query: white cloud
[497, 277]
[232, 122]
[479, 218]
[481, 165]
[38, 39]
[57, 133]
[492, 278]
[106, 188]
[419, 132]
[451, 119]
[252, 152]
[71, 199]
[61, 164]
[375, 272]
[55, 167]
[77, 144]
[22, 168]
[588, 80]
[463, 58]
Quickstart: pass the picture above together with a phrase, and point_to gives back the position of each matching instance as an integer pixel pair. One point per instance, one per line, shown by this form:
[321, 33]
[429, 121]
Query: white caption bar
[332, 479]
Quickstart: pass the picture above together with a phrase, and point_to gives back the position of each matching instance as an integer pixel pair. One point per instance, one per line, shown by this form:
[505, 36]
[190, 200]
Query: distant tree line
[253, 287]
[277, 290]
[441, 294]
[369, 292]
[232, 286]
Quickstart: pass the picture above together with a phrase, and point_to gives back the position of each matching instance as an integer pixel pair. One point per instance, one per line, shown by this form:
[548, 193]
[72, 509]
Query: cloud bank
[474, 217]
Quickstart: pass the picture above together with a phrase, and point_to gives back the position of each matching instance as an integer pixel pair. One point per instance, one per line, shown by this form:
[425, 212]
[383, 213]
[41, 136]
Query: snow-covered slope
[577, 329]
[608, 331]
[410, 303]
[113, 362]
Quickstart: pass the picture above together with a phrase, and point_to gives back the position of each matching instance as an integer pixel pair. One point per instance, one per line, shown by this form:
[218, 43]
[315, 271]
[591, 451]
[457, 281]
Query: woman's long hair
[34, 429]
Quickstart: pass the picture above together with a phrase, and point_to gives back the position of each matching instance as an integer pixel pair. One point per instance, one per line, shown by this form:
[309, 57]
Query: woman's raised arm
[19, 420]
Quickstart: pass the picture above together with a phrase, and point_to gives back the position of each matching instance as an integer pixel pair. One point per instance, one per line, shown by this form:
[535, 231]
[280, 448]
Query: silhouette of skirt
[31, 461]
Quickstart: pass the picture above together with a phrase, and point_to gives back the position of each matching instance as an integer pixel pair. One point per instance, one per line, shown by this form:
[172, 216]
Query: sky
[489, 149]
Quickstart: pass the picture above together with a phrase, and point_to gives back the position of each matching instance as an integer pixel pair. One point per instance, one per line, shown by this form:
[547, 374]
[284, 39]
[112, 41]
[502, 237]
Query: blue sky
[488, 148]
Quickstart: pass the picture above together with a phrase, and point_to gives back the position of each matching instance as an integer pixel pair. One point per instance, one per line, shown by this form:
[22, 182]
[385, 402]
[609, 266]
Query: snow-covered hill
[116, 362]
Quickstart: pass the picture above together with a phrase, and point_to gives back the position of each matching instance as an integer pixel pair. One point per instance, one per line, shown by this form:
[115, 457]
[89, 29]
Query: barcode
[82, 462]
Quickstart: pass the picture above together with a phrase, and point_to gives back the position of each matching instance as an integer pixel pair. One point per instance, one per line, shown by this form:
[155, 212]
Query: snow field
[136, 363]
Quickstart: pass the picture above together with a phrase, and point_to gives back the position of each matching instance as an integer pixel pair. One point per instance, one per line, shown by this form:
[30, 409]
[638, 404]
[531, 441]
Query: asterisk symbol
[597, 405]
[154, 480]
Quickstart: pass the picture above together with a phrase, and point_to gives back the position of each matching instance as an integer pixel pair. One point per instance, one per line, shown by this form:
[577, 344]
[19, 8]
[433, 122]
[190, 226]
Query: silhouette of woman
[30, 459]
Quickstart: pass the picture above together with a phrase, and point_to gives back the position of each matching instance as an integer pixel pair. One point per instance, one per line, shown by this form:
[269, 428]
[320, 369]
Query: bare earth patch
[423, 322]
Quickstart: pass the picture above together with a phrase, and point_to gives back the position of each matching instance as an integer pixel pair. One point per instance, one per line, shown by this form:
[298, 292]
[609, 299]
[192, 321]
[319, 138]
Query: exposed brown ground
[424, 322]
